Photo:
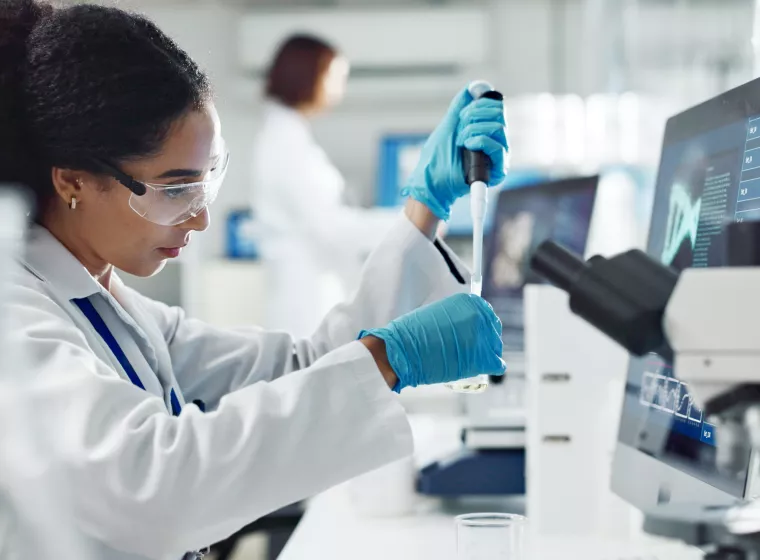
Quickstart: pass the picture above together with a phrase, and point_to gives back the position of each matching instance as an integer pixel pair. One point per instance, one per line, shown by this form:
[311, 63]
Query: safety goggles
[169, 205]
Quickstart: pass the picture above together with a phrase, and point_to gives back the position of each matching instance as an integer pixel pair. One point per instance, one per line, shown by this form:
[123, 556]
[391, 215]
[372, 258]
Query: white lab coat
[312, 242]
[286, 418]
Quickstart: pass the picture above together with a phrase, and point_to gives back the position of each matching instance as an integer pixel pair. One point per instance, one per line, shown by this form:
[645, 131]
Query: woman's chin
[145, 269]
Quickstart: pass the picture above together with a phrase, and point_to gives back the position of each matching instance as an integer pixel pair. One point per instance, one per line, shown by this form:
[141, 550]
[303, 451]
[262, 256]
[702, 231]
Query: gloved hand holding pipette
[473, 124]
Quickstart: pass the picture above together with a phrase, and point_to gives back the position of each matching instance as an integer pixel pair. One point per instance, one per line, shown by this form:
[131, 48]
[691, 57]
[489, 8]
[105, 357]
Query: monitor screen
[558, 210]
[460, 222]
[709, 174]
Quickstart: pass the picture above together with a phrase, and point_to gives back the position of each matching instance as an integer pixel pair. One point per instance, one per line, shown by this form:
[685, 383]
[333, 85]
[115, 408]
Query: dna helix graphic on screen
[683, 222]
[669, 395]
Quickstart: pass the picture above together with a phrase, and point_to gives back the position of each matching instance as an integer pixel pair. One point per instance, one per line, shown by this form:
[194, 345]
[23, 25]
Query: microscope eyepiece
[558, 265]
[624, 296]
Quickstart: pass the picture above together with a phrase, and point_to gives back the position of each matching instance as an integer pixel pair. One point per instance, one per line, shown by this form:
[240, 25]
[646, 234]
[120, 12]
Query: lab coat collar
[281, 111]
[47, 258]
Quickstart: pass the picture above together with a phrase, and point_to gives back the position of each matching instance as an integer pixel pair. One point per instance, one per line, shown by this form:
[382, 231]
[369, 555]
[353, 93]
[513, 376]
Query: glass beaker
[490, 536]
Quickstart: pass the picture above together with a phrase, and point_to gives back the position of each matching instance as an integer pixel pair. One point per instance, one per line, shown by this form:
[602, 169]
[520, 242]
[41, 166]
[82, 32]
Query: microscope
[703, 321]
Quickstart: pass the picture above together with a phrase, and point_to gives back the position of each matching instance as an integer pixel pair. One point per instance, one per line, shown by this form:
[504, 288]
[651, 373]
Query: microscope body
[706, 322]
[712, 324]
[702, 320]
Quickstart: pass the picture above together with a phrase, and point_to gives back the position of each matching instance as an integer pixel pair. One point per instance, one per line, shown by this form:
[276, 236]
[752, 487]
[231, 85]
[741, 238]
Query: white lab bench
[333, 528]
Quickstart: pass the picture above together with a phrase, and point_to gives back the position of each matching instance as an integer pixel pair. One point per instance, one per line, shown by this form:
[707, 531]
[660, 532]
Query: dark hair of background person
[84, 83]
[297, 70]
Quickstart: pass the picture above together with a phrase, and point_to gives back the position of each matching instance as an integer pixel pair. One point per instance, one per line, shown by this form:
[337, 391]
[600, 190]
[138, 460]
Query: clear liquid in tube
[479, 383]
[471, 385]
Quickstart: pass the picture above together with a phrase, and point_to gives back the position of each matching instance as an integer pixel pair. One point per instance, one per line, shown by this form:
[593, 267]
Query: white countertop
[333, 527]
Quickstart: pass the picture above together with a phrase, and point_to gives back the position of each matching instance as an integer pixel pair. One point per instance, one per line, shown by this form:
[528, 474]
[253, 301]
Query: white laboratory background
[589, 86]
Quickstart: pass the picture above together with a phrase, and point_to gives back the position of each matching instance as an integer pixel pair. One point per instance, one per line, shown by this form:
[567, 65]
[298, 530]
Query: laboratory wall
[351, 133]
[676, 52]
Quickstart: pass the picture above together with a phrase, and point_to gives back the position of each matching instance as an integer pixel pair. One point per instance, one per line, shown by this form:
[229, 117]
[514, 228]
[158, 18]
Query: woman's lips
[170, 252]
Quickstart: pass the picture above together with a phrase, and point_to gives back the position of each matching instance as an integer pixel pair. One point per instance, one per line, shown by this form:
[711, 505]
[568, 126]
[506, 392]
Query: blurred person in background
[312, 241]
[173, 434]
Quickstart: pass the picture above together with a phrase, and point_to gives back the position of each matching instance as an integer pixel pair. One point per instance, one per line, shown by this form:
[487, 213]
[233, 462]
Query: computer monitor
[460, 221]
[525, 217]
[709, 174]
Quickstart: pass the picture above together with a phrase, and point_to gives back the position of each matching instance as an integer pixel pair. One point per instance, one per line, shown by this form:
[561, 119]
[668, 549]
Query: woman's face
[117, 234]
[335, 81]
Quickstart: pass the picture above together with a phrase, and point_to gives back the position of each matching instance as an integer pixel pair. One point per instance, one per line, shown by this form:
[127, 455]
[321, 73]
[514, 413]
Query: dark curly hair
[84, 83]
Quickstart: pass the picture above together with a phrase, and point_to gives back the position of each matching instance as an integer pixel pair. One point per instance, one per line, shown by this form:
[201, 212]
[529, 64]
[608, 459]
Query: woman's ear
[68, 184]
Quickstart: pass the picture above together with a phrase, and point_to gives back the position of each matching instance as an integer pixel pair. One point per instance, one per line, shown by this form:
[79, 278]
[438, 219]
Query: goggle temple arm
[132, 184]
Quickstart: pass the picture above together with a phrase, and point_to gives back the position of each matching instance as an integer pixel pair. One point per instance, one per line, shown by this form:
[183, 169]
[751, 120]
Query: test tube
[490, 536]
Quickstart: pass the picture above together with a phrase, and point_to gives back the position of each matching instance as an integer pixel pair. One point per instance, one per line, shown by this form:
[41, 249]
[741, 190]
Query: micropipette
[477, 172]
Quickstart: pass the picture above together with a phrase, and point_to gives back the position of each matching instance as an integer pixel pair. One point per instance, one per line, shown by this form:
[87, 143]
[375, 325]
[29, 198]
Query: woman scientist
[114, 128]
[312, 242]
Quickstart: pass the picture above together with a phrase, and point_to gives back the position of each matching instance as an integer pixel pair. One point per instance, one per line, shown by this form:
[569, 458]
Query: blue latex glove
[478, 125]
[452, 339]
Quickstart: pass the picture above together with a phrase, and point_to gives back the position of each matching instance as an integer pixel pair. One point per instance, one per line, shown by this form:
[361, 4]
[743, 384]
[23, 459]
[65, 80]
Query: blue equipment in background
[398, 157]
[241, 235]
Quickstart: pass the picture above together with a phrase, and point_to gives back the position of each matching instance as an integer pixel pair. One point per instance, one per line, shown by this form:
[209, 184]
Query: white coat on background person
[120, 382]
[312, 242]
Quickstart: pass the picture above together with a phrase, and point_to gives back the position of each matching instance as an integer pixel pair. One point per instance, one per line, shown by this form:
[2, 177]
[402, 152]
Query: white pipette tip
[476, 285]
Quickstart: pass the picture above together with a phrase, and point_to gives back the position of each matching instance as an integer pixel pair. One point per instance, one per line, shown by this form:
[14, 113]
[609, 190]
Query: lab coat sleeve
[156, 485]
[405, 271]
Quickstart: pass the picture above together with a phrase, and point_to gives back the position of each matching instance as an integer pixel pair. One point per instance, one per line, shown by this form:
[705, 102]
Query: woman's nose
[199, 222]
